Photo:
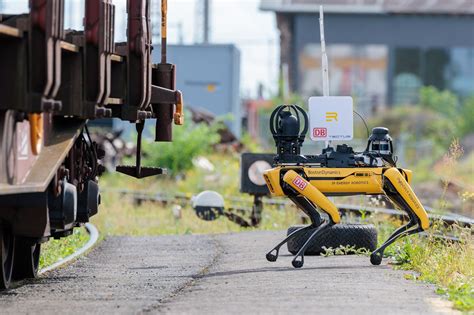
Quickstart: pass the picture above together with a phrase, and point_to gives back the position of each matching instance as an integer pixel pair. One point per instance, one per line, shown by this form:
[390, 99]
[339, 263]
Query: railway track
[93, 238]
[237, 204]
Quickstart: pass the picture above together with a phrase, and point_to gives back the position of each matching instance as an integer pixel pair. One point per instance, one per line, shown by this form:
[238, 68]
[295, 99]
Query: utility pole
[207, 14]
[155, 15]
[202, 22]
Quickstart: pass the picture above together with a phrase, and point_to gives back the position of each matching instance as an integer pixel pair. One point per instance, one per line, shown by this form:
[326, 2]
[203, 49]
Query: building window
[354, 70]
[444, 68]
[461, 72]
[407, 75]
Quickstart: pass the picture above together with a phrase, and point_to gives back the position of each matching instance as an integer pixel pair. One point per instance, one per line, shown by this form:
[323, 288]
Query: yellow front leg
[404, 191]
[313, 194]
[400, 192]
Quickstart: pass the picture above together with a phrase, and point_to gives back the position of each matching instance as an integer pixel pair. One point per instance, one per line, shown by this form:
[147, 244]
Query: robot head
[285, 125]
[288, 125]
[380, 141]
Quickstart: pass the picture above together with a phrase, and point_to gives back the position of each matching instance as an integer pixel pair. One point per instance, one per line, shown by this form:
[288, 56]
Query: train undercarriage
[52, 82]
[46, 194]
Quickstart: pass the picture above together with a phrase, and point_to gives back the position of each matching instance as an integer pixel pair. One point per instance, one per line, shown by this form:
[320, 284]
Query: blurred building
[209, 77]
[380, 51]
[256, 124]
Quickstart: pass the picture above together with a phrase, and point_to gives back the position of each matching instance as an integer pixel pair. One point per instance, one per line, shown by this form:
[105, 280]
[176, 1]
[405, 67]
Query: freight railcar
[53, 81]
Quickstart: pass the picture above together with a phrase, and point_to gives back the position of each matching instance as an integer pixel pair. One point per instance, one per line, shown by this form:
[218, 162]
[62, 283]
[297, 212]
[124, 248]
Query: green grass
[449, 265]
[119, 216]
[55, 250]
[224, 179]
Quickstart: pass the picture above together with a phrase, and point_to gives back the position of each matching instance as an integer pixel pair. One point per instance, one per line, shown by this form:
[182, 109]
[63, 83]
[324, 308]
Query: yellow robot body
[315, 183]
[331, 181]
[346, 181]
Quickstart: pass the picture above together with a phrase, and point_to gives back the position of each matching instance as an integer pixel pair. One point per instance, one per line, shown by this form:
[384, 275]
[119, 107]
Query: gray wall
[199, 66]
[421, 31]
[392, 30]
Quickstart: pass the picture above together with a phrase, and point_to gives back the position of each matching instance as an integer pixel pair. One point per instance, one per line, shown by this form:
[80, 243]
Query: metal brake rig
[308, 180]
[155, 89]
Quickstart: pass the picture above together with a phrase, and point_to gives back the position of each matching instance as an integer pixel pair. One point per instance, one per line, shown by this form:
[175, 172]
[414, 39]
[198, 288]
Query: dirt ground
[216, 274]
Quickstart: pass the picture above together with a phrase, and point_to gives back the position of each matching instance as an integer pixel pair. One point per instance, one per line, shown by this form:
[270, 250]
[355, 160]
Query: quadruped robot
[308, 180]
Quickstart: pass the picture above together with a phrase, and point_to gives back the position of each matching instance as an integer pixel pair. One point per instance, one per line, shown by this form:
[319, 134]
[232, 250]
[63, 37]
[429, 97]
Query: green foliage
[55, 250]
[223, 179]
[344, 250]
[119, 215]
[448, 105]
[443, 102]
[449, 265]
[462, 295]
[467, 114]
[440, 117]
[418, 124]
[189, 141]
[251, 144]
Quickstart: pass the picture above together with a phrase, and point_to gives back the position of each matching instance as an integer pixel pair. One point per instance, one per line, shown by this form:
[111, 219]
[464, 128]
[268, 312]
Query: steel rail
[93, 238]
[165, 198]
[143, 196]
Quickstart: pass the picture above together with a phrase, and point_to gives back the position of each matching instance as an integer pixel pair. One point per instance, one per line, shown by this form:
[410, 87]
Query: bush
[467, 114]
[251, 144]
[443, 102]
[418, 123]
[447, 104]
[440, 117]
[189, 141]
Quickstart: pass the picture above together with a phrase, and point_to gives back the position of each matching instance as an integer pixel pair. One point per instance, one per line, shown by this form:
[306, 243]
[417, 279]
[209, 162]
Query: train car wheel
[8, 145]
[27, 255]
[7, 241]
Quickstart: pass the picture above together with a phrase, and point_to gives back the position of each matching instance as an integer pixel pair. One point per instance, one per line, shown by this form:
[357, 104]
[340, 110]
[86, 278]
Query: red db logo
[300, 183]
[320, 132]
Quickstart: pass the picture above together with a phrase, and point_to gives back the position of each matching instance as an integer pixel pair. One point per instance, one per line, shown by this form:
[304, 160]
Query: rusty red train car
[52, 81]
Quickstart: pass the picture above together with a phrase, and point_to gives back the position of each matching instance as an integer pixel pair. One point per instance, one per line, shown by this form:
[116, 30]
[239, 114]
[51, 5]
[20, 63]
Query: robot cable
[363, 120]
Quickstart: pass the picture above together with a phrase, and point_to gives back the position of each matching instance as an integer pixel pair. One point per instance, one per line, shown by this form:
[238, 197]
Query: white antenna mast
[324, 57]
[331, 117]
[324, 60]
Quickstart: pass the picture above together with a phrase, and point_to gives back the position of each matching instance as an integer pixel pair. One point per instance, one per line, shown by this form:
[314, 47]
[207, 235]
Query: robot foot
[273, 254]
[298, 261]
[375, 258]
[405, 230]
[272, 257]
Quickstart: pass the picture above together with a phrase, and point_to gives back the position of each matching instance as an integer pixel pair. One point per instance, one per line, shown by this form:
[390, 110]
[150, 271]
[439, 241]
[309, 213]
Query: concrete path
[222, 274]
